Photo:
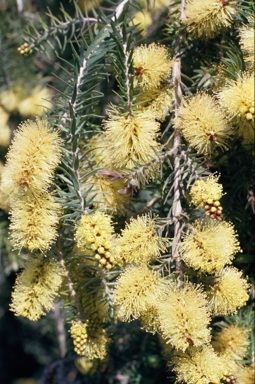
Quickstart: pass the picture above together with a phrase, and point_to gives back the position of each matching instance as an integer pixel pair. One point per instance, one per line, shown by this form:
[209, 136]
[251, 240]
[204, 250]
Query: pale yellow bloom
[139, 242]
[36, 287]
[245, 375]
[237, 98]
[203, 124]
[35, 104]
[202, 191]
[152, 65]
[144, 19]
[247, 43]
[199, 366]
[206, 18]
[184, 317]
[11, 98]
[34, 222]
[96, 232]
[89, 339]
[231, 342]
[5, 132]
[132, 139]
[158, 101]
[229, 292]
[136, 290]
[32, 158]
[210, 246]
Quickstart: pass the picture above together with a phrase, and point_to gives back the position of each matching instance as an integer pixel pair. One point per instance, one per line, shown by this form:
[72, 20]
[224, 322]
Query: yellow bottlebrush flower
[203, 124]
[237, 98]
[149, 320]
[245, 375]
[210, 246]
[206, 18]
[106, 190]
[36, 287]
[136, 291]
[84, 365]
[96, 232]
[247, 43]
[32, 159]
[5, 132]
[152, 65]
[34, 221]
[35, 104]
[199, 366]
[139, 242]
[89, 339]
[132, 139]
[202, 191]
[229, 292]
[184, 317]
[231, 342]
[10, 99]
[158, 102]
[144, 19]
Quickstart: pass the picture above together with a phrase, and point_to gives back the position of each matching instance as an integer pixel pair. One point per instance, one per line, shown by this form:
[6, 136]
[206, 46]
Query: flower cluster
[89, 339]
[139, 242]
[237, 98]
[27, 175]
[36, 288]
[210, 246]
[96, 232]
[206, 18]
[5, 132]
[203, 124]
[247, 43]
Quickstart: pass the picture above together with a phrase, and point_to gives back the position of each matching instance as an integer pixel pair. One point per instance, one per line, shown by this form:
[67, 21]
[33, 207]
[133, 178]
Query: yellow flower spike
[36, 287]
[136, 291]
[203, 124]
[229, 292]
[34, 222]
[94, 342]
[247, 44]
[237, 98]
[206, 18]
[152, 65]
[210, 246]
[139, 242]
[184, 317]
[245, 375]
[36, 103]
[199, 366]
[157, 101]
[32, 158]
[210, 189]
[231, 342]
[131, 139]
[5, 132]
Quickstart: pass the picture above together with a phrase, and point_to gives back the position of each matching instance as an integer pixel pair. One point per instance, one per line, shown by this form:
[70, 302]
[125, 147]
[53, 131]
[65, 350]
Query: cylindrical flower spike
[132, 139]
[152, 66]
[96, 232]
[184, 317]
[32, 159]
[229, 292]
[210, 246]
[247, 44]
[237, 98]
[139, 242]
[206, 18]
[34, 222]
[36, 287]
[203, 124]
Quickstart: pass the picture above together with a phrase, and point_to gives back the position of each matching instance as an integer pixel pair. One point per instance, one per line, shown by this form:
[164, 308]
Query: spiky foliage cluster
[96, 232]
[184, 317]
[139, 242]
[247, 43]
[210, 246]
[199, 366]
[203, 124]
[229, 292]
[207, 18]
[36, 287]
[237, 98]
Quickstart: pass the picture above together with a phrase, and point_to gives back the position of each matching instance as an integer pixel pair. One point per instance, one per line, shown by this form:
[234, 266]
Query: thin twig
[61, 331]
[145, 208]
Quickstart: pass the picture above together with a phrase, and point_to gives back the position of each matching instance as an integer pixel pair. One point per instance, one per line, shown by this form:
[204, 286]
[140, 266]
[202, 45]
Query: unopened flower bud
[216, 203]
[210, 201]
[252, 110]
[102, 261]
[213, 209]
[249, 116]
